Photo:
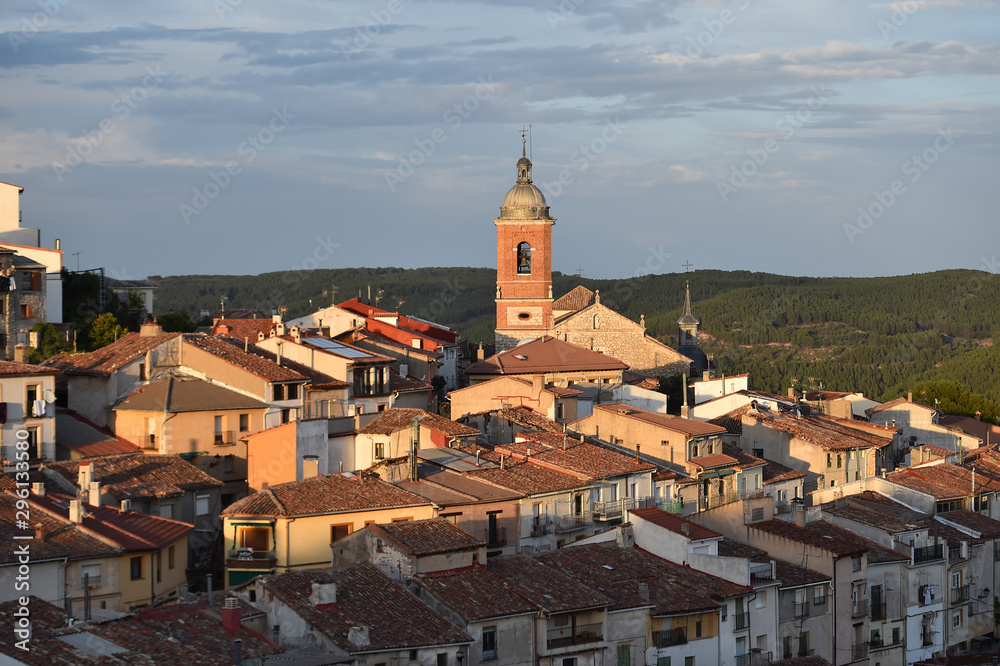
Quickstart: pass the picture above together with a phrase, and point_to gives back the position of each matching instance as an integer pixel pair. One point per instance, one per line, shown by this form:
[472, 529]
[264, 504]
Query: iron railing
[496, 537]
[878, 611]
[959, 594]
[567, 636]
[753, 657]
[860, 651]
[860, 608]
[928, 553]
[225, 438]
[670, 637]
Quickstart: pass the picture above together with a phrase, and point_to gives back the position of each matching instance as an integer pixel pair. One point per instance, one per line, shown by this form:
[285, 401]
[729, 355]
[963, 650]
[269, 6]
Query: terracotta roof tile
[576, 299]
[578, 458]
[547, 587]
[445, 487]
[401, 384]
[527, 417]
[13, 369]
[88, 440]
[429, 537]
[61, 538]
[365, 597]
[896, 403]
[256, 365]
[238, 329]
[827, 432]
[475, 593]
[675, 524]
[691, 427]
[775, 472]
[102, 362]
[835, 544]
[944, 480]
[984, 526]
[529, 479]
[137, 476]
[545, 354]
[330, 493]
[317, 379]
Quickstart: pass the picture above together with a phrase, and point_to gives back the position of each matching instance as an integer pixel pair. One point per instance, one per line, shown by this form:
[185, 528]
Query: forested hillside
[881, 336]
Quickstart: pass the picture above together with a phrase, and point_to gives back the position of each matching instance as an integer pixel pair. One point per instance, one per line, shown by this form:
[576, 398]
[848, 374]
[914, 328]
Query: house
[287, 452]
[291, 525]
[842, 404]
[558, 362]
[22, 290]
[158, 485]
[405, 549]
[920, 424]
[952, 487]
[28, 391]
[709, 388]
[355, 615]
[784, 485]
[391, 433]
[557, 403]
[125, 290]
[987, 433]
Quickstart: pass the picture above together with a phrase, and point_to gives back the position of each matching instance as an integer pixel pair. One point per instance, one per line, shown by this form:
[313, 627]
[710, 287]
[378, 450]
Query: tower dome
[524, 200]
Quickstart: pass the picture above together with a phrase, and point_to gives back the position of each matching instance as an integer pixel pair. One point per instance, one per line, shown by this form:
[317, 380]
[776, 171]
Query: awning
[716, 473]
[192, 454]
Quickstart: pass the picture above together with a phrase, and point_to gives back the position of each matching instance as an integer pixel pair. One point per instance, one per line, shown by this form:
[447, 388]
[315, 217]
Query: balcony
[670, 637]
[955, 552]
[959, 594]
[614, 510]
[573, 522]
[860, 651]
[805, 653]
[248, 558]
[225, 438]
[569, 636]
[927, 595]
[540, 526]
[148, 442]
[496, 537]
[860, 608]
[753, 657]
[878, 611]
[928, 553]
[801, 610]
[742, 621]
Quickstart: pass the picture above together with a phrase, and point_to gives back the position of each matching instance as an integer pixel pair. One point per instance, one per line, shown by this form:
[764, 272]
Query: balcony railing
[572, 522]
[670, 637]
[495, 538]
[148, 442]
[753, 657]
[878, 611]
[567, 636]
[614, 510]
[860, 608]
[954, 552]
[959, 594]
[225, 438]
[860, 651]
[742, 621]
[249, 558]
[928, 553]
[540, 526]
[802, 609]
[805, 653]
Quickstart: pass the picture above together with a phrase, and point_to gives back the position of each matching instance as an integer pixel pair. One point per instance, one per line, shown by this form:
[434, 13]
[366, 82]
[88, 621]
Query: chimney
[637, 454]
[686, 529]
[39, 531]
[21, 353]
[149, 329]
[791, 392]
[909, 397]
[705, 376]
[296, 334]
[978, 415]
[222, 330]
[231, 615]
[85, 476]
[685, 410]
[800, 515]
[501, 461]
[359, 636]
[279, 329]
[537, 383]
[95, 493]
[260, 336]
[404, 369]
[38, 488]
[76, 511]
[324, 591]
[480, 354]
[644, 591]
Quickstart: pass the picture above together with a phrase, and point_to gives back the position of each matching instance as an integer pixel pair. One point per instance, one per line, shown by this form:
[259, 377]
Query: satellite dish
[49, 395]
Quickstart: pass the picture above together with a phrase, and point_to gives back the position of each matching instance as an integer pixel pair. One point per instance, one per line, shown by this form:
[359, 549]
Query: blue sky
[234, 136]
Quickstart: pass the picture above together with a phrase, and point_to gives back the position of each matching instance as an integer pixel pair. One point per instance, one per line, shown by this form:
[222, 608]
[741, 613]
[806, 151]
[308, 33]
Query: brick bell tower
[524, 261]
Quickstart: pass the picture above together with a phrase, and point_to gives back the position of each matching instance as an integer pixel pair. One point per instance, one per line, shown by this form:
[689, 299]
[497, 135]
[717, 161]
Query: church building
[525, 306]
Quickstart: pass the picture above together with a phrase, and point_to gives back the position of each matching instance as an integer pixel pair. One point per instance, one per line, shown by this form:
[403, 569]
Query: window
[228, 464]
[756, 515]
[442, 659]
[489, 643]
[523, 258]
[829, 460]
[166, 511]
[450, 517]
[135, 568]
[697, 629]
[171, 559]
[26, 312]
[688, 661]
[285, 415]
[956, 579]
[758, 453]
[292, 392]
[142, 371]
[338, 532]
[625, 655]
[569, 661]
[278, 392]
[244, 423]
[804, 644]
[91, 573]
[956, 619]
[663, 661]
[895, 635]
[560, 620]
[379, 450]
[201, 505]
[856, 563]
[839, 461]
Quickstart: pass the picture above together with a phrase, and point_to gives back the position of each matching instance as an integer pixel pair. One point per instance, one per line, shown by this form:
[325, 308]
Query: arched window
[597, 321]
[523, 258]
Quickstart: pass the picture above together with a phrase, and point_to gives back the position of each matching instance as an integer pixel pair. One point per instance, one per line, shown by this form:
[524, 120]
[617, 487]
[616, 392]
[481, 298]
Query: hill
[877, 335]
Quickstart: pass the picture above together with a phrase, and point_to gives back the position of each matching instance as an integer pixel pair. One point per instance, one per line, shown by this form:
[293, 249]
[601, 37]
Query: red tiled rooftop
[833, 543]
[240, 329]
[827, 432]
[714, 461]
[675, 524]
[775, 472]
[545, 354]
[102, 362]
[429, 537]
[572, 456]
[577, 298]
[897, 403]
[944, 480]
[330, 493]
[529, 479]
[14, 369]
[545, 586]
[475, 593]
[137, 476]
[256, 365]
[691, 427]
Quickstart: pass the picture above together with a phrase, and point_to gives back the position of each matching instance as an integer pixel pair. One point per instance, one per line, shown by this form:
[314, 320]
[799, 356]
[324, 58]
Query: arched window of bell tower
[523, 258]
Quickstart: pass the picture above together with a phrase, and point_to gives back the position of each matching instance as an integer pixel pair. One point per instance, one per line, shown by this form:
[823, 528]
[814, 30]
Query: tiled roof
[987, 432]
[86, 439]
[828, 432]
[445, 487]
[256, 365]
[732, 421]
[708, 587]
[429, 537]
[130, 530]
[877, 553]
[984, 526]
[174, 394]
[62, 538]
[102, 362]
[366, 597]
[580, 458]
[547, 587]
[878, 511]
[545, 354]
[238, 329]
[675, 524]
[475, 593]
[775, 472]
[529, 418]
[691, 427]
[632, 379]
[330, 493]
[13, 369]
[730, 548]
[944, 480]
[447, 426]
[529, 479]
[399, 418]
[576, 299]
[714, 461]
[792, 575]
[317, 379]
[836, 544]
[137, 476]
[743, 460]
[896, 403]
[401, 384]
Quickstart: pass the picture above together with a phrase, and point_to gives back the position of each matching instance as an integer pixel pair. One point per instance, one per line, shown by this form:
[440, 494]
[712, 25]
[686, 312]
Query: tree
[50, 342]
[105, 330]
[177, 322]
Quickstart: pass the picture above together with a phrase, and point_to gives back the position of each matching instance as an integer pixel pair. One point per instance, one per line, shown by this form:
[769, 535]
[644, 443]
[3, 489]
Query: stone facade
[24, 306]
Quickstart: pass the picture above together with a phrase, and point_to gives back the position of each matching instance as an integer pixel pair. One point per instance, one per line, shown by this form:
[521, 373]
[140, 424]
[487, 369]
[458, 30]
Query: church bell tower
[524, 261]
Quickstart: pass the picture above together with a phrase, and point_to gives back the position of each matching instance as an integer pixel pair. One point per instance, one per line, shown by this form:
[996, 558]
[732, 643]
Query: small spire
[687, 317]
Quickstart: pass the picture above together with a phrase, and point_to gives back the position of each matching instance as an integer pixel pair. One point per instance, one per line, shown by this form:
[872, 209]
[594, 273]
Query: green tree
[50, 342]
[177, 322]
[105, 330]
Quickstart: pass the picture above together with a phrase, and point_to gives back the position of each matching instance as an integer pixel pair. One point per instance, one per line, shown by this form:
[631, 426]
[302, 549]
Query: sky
[821, 138]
